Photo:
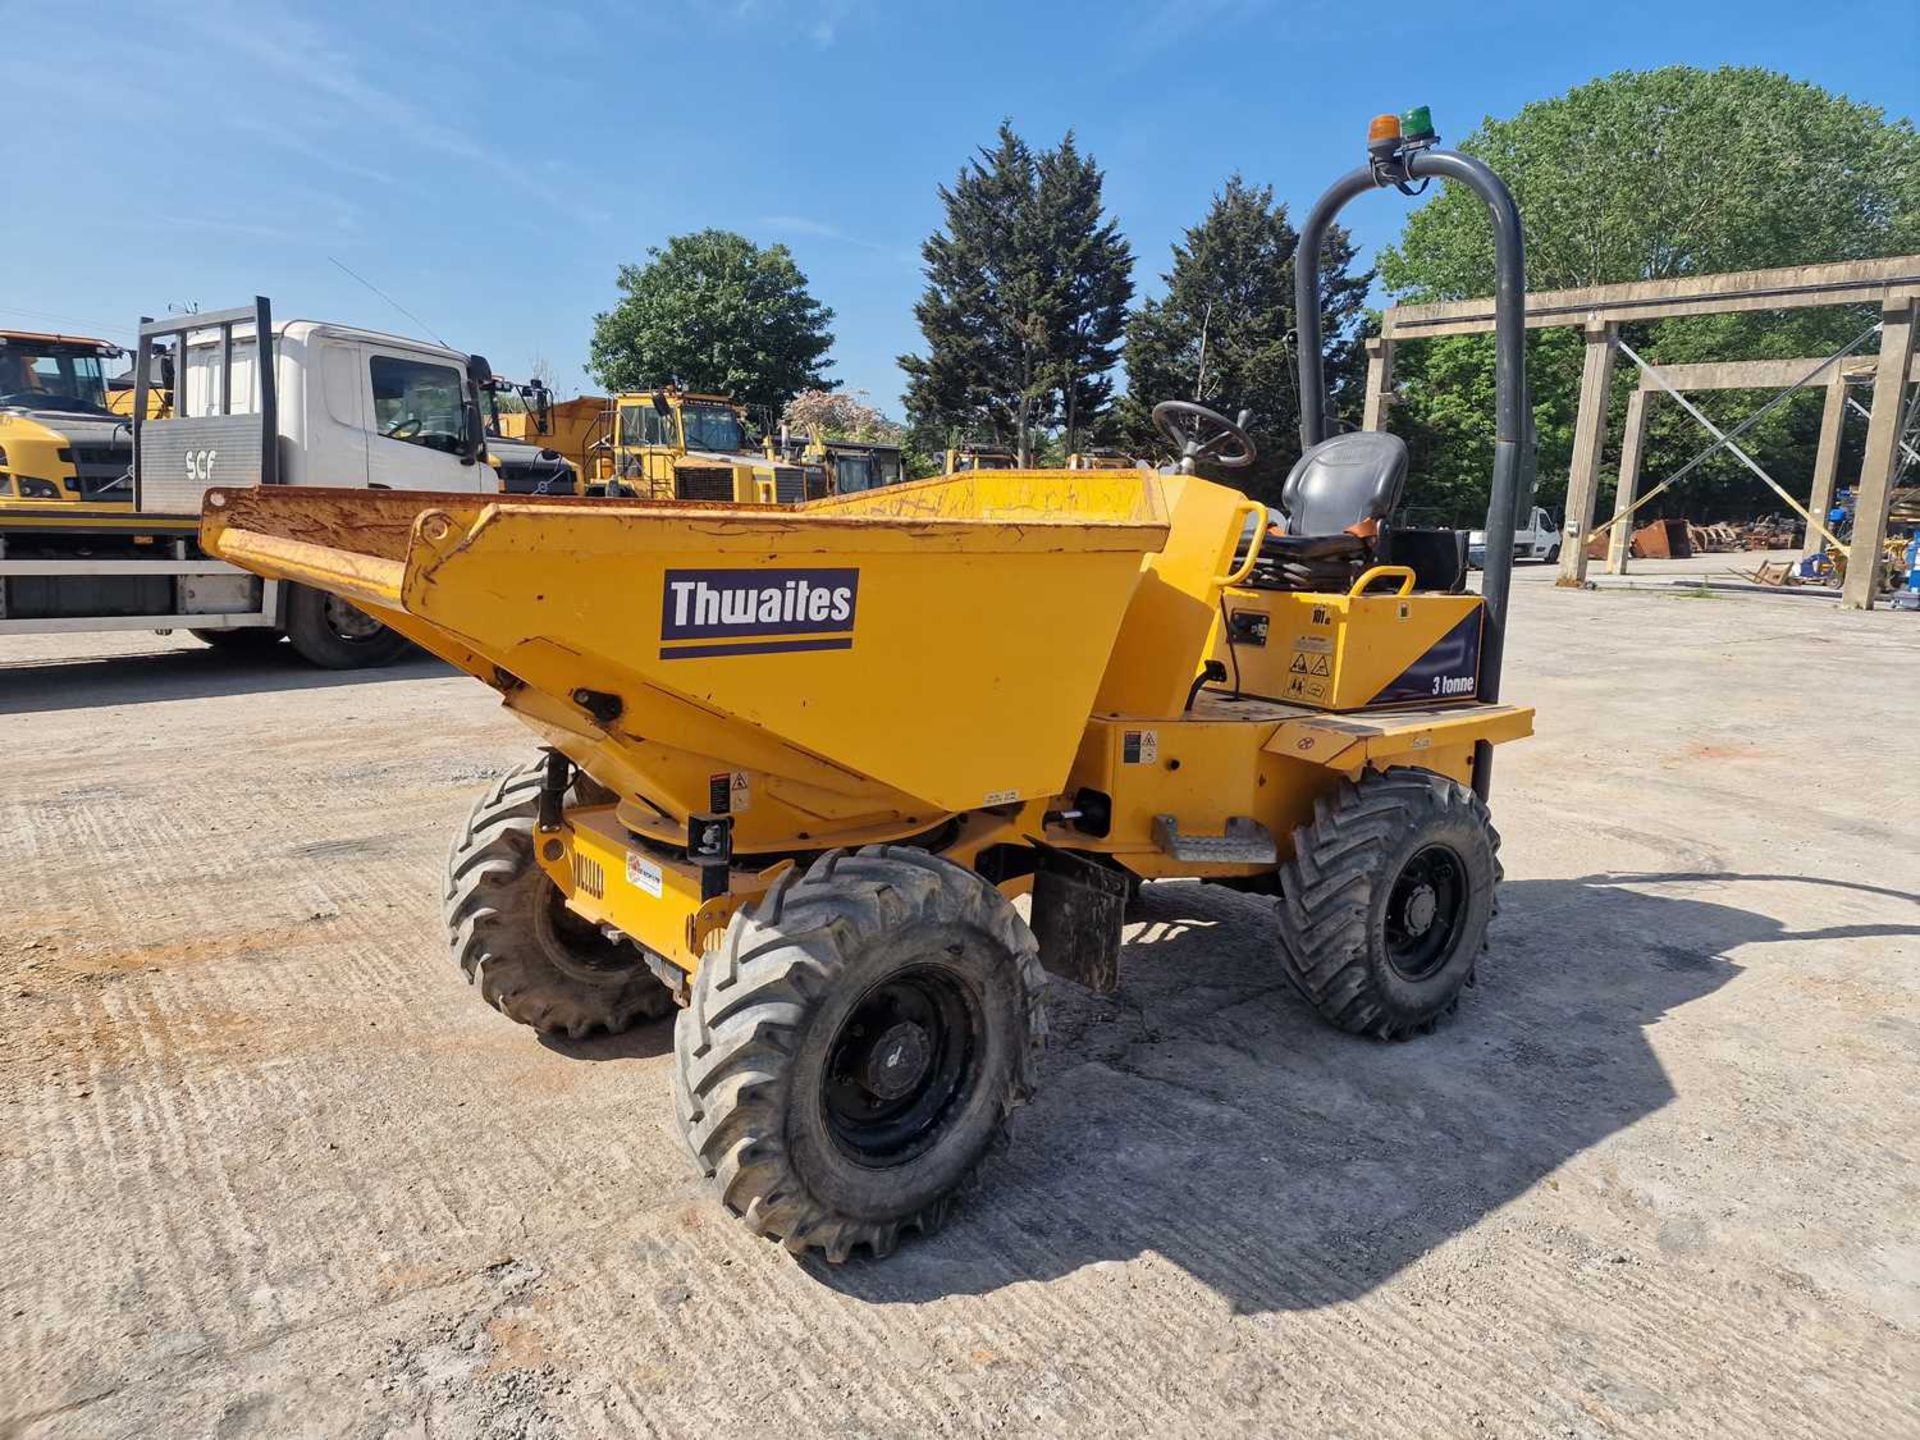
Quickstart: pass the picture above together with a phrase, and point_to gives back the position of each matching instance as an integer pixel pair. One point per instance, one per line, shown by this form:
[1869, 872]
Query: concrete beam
[1379, 384]
[1877, 467]
[1589, 441]
[1826, 461]
[1764, 374]
[1633, 445]
[1795, 287]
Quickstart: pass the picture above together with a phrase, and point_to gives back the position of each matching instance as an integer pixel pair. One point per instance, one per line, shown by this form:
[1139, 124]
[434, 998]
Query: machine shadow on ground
[1206, 1114]
[33, 688]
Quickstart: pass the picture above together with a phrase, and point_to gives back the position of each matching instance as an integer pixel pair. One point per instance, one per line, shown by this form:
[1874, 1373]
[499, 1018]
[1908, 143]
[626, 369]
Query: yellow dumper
[801, 760]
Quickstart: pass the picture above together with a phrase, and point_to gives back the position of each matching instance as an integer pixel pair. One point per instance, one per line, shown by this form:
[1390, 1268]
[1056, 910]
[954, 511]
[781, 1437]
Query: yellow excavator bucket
[893, 656]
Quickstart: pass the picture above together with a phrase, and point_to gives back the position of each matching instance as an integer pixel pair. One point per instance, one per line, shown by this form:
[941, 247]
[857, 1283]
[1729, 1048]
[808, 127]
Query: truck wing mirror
[474, 443]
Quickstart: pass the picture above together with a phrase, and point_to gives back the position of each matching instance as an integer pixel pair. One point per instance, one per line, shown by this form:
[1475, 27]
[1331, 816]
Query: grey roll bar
[1513, 435]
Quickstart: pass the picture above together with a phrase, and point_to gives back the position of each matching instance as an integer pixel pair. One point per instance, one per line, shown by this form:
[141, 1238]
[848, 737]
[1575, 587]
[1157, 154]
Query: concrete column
[1633, 445]
[1589, 440]
[1826, 459]
[1379, 383]
[1882, 459]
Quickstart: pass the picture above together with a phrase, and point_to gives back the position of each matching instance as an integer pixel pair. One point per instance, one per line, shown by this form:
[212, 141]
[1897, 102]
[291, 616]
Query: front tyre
[856, 1045]
[336, 635]
[1386, 900]
[512, 934]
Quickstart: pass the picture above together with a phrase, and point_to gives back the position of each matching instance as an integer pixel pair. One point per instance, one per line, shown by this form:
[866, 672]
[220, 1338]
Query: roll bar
[1513, 436]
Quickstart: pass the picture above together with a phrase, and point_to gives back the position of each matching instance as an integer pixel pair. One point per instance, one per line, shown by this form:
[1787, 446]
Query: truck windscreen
[50, 380]
[713, 427]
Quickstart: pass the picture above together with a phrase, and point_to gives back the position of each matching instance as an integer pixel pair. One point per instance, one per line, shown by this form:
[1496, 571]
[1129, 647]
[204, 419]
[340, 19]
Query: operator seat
[1336, 498]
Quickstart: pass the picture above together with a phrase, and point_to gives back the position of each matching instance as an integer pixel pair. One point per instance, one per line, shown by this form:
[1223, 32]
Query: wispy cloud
[818, 22]
[1152, 28]
[301, 59]
[823, 230]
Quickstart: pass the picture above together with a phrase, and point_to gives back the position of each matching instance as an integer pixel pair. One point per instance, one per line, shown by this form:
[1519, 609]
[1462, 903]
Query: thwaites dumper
[800, 761]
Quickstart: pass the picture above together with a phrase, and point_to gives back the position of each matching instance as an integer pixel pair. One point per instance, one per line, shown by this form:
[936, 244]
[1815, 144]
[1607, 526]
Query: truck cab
[353, 407]
[673, 444]
[60, 444]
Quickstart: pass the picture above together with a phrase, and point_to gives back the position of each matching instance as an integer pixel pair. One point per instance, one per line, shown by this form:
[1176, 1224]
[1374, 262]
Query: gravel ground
[270, 1167]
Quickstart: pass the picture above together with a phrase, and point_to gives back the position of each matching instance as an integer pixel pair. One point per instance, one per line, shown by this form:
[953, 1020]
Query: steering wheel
[405, 428]
[1200, 434]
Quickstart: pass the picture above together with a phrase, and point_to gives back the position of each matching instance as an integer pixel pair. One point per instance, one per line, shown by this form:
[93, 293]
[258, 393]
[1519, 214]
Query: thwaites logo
[704, 613]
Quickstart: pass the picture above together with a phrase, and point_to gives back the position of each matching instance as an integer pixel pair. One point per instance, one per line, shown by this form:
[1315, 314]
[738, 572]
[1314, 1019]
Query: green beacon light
[1417, 124]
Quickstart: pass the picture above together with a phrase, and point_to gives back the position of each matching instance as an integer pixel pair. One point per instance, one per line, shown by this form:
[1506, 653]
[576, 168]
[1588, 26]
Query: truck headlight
[32, 489]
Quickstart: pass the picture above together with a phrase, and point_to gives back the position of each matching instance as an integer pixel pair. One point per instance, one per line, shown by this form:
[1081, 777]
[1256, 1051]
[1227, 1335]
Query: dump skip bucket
[928, 648]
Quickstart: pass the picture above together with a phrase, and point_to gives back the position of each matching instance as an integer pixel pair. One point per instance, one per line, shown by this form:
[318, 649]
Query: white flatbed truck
[338, 406]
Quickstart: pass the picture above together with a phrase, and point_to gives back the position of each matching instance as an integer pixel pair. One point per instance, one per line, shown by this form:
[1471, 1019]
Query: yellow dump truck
[673, 444]
[800, 761]
[60, 444]
[850, 465]
[959, 461]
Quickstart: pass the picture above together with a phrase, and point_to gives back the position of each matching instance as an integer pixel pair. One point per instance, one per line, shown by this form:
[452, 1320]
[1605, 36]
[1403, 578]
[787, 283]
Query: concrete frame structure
[1741, 375]
[1893, 285]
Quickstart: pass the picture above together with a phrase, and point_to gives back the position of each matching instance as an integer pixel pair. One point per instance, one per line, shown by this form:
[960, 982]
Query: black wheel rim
[579, 948]
[902, 1065]
[1424, 911]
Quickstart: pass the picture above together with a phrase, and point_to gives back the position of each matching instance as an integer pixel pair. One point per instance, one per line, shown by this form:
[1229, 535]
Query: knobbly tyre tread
[491, 879]
[1327, 892]
[741, 1028]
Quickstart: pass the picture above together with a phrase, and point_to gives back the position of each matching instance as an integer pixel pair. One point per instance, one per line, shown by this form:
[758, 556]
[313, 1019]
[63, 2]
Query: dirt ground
[270, 1167]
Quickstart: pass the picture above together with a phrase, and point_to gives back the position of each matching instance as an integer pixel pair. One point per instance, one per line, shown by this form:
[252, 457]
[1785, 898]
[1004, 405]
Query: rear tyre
[856, 1045]
[1386, 900]
[252, 640]
[335, 635]
[512, 934]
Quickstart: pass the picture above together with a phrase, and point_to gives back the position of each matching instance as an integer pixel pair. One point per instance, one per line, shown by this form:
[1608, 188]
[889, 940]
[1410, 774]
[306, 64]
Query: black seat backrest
[1344, 480]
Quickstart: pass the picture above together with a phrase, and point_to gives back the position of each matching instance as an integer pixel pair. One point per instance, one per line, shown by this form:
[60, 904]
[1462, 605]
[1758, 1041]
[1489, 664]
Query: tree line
[1030, 316]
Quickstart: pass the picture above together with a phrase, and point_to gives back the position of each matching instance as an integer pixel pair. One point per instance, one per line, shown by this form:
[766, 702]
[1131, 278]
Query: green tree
[715, 312]
[1640, 176]
[1026, 300]
[1223, 332]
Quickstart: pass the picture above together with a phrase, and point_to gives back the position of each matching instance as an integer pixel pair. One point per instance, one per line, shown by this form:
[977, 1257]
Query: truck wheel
[534, 960]
[1553, 554]
[855, 1045]
[250, 640]
[1386, 900]
[331, 633]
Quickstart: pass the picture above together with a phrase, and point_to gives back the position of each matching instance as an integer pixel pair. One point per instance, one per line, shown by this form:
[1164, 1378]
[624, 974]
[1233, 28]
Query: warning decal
[643, 874]
[1139, 747]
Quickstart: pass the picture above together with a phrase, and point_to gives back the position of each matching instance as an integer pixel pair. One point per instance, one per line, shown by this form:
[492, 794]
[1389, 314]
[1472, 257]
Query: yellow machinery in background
[850, 466]
[1103, 460]
[960, 461]
[60, 444]
[673, 444]
[800, 760]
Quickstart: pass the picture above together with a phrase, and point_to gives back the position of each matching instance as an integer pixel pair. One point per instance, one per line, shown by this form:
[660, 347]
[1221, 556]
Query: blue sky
[489, 165]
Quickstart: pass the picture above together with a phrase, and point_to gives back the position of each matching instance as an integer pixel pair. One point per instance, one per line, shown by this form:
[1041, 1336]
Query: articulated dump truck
[799, 763]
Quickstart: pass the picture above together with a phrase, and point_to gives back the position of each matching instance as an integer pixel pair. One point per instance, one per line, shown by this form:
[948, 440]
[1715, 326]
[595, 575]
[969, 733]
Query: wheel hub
[1421, 906]
[347, 622]
[1424, 912]
[902, 1063]
[898, 1060]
